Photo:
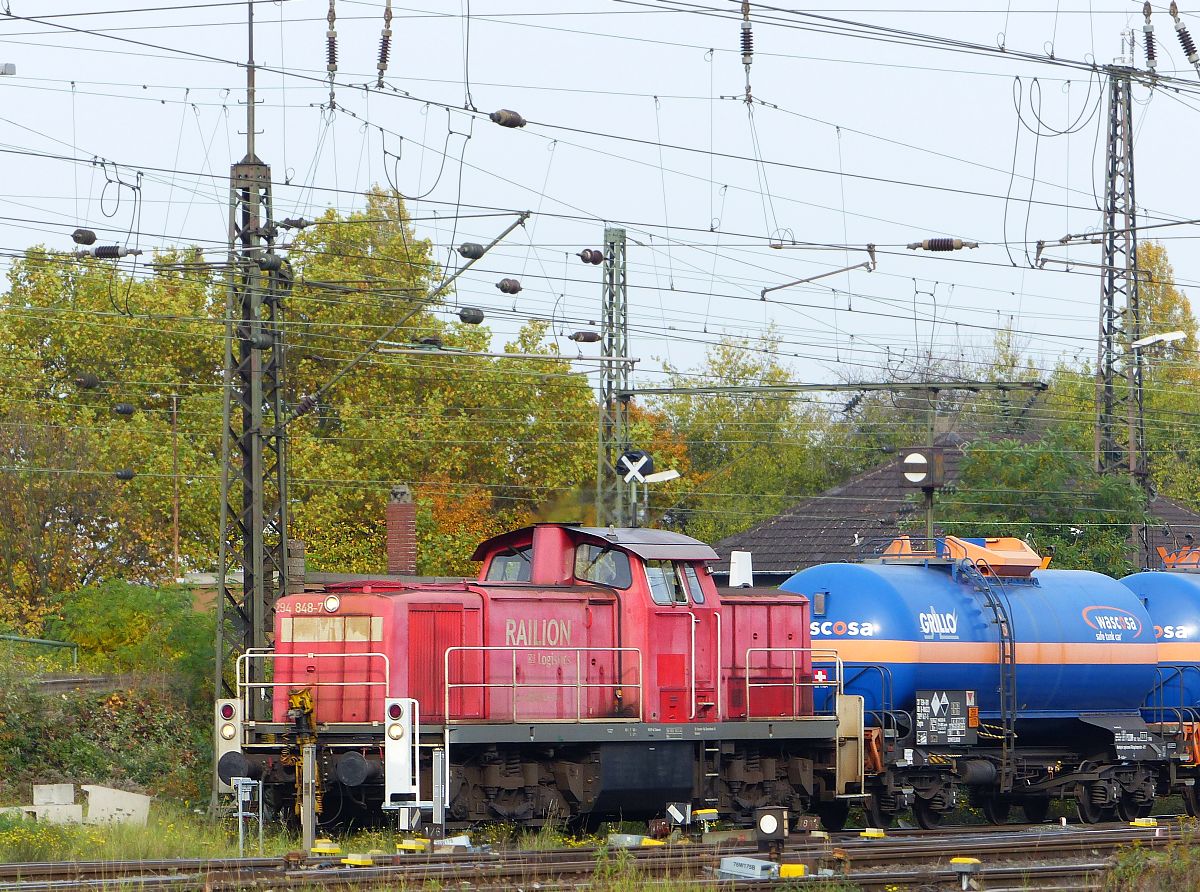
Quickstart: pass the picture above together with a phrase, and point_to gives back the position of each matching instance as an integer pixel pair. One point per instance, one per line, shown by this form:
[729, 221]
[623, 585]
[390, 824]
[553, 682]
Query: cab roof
[647, 544]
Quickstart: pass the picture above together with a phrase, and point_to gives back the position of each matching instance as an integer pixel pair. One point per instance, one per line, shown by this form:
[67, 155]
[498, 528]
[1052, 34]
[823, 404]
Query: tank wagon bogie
[989, 678]
[586, 673]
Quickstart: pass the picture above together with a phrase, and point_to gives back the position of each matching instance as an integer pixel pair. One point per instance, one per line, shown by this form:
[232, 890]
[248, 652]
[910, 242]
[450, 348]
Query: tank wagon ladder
[997, 601]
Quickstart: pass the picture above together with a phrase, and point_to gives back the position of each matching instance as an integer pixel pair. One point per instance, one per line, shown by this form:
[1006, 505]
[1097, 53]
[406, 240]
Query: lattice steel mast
[253, 443]
[613, 505]
[1120, 313]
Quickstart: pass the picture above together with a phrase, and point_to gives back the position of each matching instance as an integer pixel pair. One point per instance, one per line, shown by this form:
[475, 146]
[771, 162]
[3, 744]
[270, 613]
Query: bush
[135, 739]
[125, 628]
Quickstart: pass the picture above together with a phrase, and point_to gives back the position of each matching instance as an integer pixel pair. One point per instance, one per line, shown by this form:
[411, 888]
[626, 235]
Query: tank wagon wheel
[876, 816]
[1129, 808]
[1090, 812]
[1036, 810]
[1191, 801]
[996, 809]
[928, 818]
[833, 814]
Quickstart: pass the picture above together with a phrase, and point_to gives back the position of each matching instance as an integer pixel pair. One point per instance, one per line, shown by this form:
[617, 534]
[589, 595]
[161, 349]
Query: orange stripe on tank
[1179, 652]
[966, 652]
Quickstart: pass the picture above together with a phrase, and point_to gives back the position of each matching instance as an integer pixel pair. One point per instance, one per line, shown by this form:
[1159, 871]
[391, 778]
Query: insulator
[331, 40]
[471, 315]
[271, 263]
[584, 337]
[124, 474]
[1151, 49]
[507, 118]
[747, 43]
[942, 244]
[108, 252]
[1185, 41]
[87, 381]
[83, 237]
[509, 286]
[125, 409]
[591, 255]
[307, 403]
[295, 223]
[431, 341]
[471, 250]
[385, 50]
[262, 342]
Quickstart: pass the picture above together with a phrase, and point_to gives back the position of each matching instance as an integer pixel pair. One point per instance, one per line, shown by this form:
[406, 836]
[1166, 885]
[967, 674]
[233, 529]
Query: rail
[245, 686]
[514, 684]
[825, 655]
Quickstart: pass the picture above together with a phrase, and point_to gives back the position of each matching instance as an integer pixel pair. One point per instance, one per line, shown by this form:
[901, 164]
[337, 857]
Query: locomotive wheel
[876, 816]
[1088, 811]
[996, 810]
[927, 817]
[1036, 810]
[833, 814]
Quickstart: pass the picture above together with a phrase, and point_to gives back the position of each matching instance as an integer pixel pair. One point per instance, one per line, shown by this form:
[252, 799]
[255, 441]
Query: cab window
[595, 563]
[693, 583]
[513, 565]
[665, 585]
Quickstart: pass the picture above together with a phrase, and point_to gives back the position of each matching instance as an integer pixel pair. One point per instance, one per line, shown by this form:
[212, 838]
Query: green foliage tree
[749, 455]
[484, 442]
[1048, 494]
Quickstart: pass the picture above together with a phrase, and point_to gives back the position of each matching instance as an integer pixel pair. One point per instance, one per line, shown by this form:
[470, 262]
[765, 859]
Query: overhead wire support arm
[311, 401]
[868, 265]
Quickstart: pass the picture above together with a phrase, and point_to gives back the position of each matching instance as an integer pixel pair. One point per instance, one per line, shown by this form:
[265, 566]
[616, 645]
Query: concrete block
[53, 794]
[54, 814]
[109, 806]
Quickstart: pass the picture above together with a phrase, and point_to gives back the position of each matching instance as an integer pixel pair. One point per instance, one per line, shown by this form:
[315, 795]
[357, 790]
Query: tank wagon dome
[913, 621]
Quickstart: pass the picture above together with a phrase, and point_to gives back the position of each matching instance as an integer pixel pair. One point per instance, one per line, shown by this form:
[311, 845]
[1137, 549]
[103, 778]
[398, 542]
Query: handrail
[1168, 674]
[244, 684]
[692, 672]
[46, 642]
[579, 685]
[827, 655]
[720, 681]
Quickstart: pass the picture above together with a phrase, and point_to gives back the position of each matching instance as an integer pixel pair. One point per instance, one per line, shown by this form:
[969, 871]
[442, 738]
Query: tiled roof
[843, 523]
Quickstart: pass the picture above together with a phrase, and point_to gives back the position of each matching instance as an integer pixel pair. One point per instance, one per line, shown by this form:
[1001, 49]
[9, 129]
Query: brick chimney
[401, 531]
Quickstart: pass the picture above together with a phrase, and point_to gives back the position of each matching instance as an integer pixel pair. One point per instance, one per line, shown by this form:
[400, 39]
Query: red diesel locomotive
[587, 673]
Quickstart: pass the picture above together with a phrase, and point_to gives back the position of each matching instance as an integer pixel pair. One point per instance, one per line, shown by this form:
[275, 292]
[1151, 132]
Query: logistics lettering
[1177, 633]
[941, 625]
[537, 633]
[1112, 623]
[839, 629]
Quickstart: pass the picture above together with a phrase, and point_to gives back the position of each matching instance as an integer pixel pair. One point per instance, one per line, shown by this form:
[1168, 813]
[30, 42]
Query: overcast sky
[637, 117]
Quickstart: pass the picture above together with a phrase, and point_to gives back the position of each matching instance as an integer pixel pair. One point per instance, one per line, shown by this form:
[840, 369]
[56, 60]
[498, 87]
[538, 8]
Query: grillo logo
[939, 625]
[1112, 623]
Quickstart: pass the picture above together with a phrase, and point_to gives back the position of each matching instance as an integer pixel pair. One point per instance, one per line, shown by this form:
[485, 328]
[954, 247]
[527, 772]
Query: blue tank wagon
[987, 674]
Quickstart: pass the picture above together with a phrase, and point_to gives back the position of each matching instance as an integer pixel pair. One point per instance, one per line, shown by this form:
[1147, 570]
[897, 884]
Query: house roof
[847, 522]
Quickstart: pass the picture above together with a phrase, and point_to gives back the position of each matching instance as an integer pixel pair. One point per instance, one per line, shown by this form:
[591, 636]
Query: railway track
[1040, 857]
